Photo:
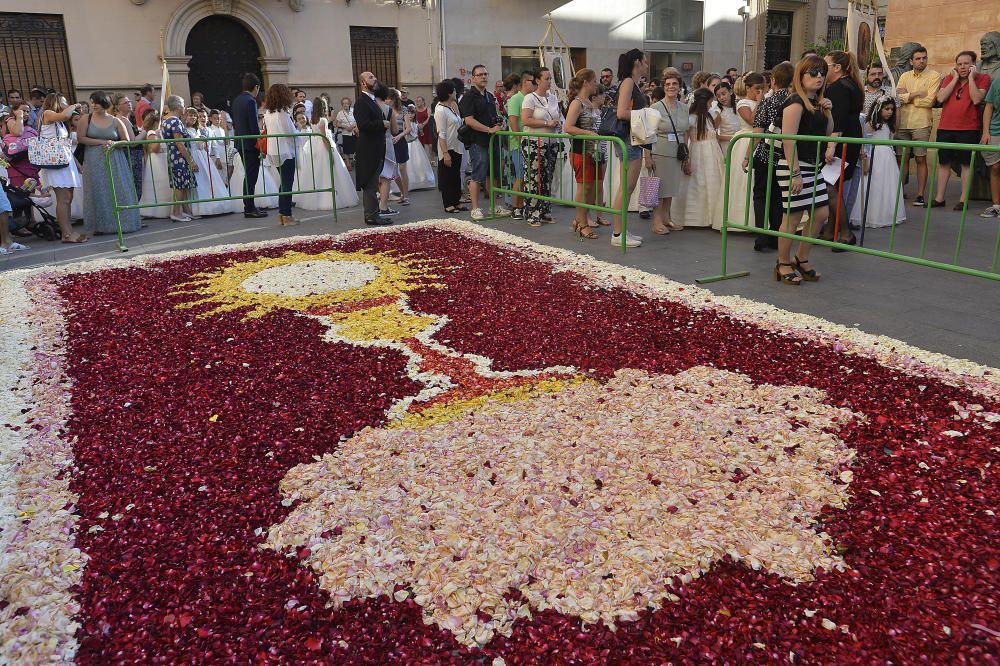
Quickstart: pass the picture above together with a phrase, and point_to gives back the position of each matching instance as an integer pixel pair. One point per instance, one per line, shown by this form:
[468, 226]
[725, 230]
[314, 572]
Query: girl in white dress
[267, 181]
[748, 90]
[420, 170]
[209, 183]
[313, 171]
[702, 204]
[728, 122]
[155, 178]
[880, 162]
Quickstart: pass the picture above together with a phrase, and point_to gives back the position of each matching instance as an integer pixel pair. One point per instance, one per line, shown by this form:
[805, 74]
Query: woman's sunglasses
[816, 72]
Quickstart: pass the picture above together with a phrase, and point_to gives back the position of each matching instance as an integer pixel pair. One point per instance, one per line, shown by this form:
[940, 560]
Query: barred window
[836, 32]
[34, 53]
[375, 50]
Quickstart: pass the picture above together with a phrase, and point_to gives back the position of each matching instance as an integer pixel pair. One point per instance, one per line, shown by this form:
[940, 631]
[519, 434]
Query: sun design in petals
[362, 298]
[309, 283]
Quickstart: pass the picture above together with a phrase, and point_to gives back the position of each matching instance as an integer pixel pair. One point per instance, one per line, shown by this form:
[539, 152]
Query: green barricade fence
[227, 142]
[572, 196]
[839, 219]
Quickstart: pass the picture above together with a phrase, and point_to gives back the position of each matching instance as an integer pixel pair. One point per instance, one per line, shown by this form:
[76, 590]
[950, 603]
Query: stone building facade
[321, 45]
[316, 45]
[945, 27]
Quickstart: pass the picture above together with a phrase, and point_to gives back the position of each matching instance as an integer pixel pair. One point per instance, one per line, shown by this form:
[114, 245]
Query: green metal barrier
[126, 145]
[919, 260]
[562, 200]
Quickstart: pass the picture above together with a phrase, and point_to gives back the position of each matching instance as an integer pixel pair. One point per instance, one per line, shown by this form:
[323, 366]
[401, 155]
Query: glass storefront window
[517, 59]
[675, 20]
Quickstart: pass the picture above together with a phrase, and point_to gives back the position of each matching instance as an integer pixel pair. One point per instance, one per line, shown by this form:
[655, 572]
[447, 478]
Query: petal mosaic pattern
[291, 452]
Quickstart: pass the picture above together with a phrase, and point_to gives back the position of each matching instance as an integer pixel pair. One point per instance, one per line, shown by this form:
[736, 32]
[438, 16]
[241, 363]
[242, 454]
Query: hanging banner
[863, 37]
[556, 56]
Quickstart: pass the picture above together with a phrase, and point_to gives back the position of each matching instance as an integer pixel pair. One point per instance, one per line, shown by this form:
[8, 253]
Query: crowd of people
[199, 170]
[810, 186]
[675, 138]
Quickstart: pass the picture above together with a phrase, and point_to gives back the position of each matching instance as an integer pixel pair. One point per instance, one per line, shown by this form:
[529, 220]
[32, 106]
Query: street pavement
[933, 309]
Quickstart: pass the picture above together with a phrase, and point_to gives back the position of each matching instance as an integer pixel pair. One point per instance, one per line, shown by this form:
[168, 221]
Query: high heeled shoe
[792, 278]
[808, 275]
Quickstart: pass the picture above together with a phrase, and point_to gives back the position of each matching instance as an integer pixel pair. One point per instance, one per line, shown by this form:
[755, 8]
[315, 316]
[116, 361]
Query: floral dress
[179, 170]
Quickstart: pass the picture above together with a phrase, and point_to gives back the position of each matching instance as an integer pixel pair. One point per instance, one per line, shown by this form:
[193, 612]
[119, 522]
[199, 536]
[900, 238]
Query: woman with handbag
[632, 66]
[58, 168]
[539, 115]
[588, 164]
[671, 163]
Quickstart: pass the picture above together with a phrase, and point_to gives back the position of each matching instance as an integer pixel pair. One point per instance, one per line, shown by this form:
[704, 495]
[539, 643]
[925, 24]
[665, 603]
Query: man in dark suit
[244, 108]
[370, 153]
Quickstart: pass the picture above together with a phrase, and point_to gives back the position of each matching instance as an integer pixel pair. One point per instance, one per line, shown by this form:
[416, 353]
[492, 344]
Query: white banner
[561, 65]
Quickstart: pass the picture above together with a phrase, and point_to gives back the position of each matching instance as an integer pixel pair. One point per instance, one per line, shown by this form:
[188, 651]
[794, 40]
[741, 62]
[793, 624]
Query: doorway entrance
[222, 50]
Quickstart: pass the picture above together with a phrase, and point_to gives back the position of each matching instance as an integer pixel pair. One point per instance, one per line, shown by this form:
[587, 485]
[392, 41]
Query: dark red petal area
[195, 421]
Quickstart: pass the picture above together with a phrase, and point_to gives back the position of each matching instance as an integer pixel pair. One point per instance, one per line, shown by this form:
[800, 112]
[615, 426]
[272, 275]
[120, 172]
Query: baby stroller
[22, 219]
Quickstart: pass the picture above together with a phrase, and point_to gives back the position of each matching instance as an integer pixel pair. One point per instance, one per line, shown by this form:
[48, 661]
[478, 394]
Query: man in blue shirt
[245, 123]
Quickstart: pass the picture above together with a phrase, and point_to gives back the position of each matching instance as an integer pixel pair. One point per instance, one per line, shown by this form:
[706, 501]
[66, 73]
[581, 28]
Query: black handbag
[682, 149]
[609, 120]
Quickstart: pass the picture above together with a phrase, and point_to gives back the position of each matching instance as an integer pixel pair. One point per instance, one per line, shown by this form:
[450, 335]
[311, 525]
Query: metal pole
[746, 21]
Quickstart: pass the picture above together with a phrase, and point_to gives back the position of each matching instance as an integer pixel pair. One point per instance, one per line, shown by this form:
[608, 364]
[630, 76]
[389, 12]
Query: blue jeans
[287, 171]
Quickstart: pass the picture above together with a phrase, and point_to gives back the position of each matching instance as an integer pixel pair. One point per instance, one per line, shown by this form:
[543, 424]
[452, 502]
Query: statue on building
[296, 5]
[989, 46]
[901, 56]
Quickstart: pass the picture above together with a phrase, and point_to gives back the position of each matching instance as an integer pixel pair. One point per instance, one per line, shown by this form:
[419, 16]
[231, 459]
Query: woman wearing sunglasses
[805, 112]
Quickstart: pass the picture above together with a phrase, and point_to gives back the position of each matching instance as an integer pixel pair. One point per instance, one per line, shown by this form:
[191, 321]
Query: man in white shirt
[300, 98]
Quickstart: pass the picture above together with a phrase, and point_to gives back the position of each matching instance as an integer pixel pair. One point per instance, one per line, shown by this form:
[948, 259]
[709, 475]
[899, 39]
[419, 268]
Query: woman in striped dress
[805, 112]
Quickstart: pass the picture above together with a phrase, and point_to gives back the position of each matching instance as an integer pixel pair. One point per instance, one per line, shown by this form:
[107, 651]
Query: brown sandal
[584, 230]
[792, 278]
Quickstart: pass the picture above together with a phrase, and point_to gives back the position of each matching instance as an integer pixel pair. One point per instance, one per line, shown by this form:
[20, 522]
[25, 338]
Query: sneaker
[630, 241]
[517, 214]
[14, 247]
[919, 201]
[478, 214]
[635, 237]
[937, 204]
[992, 211]
[500, 211]
[388, 212]
[645, 214]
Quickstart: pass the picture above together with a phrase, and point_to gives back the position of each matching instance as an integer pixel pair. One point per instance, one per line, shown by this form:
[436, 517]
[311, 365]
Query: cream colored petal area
[592, 501]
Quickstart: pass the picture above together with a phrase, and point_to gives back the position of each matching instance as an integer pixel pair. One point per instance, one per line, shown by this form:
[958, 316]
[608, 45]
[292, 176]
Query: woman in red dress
[425, 134]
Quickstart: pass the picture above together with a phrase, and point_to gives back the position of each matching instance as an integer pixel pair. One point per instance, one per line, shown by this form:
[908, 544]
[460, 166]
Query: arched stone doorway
[272, 60]
[221, 50]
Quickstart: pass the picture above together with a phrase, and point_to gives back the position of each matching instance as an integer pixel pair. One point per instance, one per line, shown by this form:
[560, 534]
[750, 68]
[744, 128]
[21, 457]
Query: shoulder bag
[49, 152]
[682, 149]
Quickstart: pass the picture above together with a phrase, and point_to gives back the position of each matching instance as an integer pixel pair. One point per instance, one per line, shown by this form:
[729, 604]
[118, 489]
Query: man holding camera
[479, 111]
